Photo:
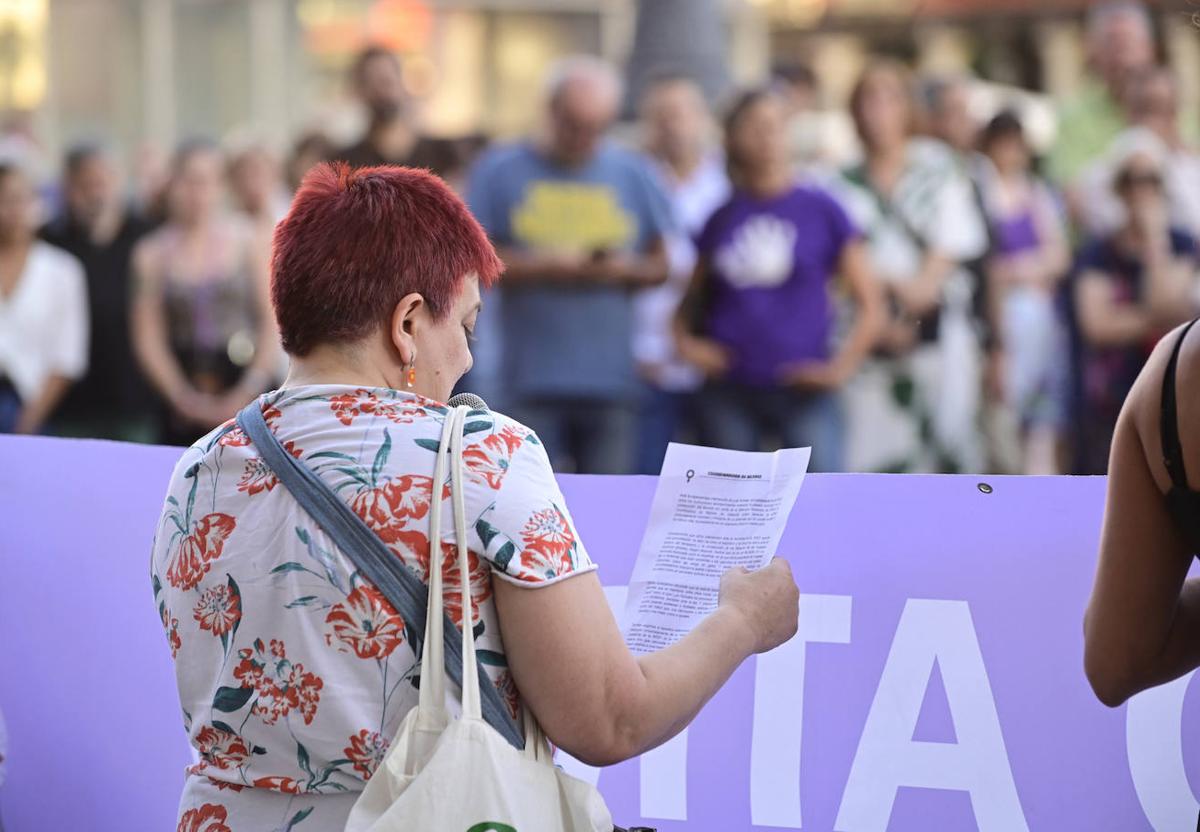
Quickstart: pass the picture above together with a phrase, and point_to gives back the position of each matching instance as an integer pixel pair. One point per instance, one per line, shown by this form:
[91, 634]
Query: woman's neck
[768, 182]
[885, 164]
[330, 365]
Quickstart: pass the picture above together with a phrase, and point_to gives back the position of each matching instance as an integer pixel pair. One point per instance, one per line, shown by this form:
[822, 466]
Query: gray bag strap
[407, 593]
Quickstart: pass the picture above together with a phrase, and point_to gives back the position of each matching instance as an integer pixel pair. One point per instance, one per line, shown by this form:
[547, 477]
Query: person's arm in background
[264, 367]
[1102, 321]
[148, 327]
[71, 345]
[703, 352]
[566, 268]
[855, 269]
[599, 702]
[1142, 626]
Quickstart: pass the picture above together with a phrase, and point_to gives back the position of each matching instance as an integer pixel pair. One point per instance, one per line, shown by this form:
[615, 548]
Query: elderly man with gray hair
[580, 224]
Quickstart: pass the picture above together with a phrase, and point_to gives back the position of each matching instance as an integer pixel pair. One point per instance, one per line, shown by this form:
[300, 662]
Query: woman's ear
[404, 326]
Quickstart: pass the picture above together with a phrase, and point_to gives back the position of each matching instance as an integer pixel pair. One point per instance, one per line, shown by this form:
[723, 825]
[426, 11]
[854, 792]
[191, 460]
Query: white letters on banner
[779, 711]
[888, 757]
[1154, 740]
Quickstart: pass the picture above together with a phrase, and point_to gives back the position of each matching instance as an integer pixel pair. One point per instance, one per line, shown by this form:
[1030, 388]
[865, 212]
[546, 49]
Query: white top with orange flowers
[294, 672]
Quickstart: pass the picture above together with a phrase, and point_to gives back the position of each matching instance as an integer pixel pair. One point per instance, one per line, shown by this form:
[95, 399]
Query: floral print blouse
[294, 672]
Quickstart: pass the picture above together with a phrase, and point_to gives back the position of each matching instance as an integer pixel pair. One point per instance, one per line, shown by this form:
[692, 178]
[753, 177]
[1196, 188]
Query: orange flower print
[487, 461]
[388, 510]
[480, 581]
[219, 609]
[280, 684]
[222, 748]
[171, 626]
[278, 784]
[235, 437]
[349, 406]
[192, 560]
[365, 624]
[258, 477]
[548, 540]
[208, 818]
[508, 692]
[366, 750]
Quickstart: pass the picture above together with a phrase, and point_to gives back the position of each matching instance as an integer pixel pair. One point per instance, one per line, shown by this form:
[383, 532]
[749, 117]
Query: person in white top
[679, 139]
[43, 314]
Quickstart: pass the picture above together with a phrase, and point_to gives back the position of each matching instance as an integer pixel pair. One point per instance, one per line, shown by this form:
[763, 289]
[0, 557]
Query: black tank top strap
[1172, 447]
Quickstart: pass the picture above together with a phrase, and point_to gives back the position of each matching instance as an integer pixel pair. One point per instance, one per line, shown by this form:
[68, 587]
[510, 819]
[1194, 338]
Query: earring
[411, 376]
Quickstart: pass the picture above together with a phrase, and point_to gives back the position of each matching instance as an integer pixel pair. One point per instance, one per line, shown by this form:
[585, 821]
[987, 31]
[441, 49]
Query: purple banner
[936, 682]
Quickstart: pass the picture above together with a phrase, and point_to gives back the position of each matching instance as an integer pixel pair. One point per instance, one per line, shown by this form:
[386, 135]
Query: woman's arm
[70, 358]
[706, 354]
[598, 701]
[1169, 281]
[868, 300]
[265, 366]
[1102, 321]
[1142, 626]
[149, 329]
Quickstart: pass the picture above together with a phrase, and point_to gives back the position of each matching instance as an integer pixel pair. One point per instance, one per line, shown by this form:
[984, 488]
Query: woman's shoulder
[1145, 402]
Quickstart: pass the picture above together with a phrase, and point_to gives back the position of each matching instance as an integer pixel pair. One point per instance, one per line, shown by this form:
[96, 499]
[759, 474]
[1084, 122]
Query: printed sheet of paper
[714, 509]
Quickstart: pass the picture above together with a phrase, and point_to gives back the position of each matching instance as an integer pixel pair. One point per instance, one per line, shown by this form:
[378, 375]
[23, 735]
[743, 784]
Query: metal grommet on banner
[984, 488]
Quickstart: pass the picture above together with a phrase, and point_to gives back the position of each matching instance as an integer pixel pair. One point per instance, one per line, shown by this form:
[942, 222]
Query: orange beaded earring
[411, 377]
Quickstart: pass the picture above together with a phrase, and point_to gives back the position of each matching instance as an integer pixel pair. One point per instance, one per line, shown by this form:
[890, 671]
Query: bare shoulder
[1144, 405]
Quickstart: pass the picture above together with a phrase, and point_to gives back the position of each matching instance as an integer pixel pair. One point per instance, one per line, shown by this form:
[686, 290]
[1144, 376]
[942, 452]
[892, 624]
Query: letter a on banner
[888, 757]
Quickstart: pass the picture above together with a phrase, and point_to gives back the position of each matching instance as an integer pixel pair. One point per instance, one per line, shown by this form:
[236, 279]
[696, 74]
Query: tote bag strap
[406, 592]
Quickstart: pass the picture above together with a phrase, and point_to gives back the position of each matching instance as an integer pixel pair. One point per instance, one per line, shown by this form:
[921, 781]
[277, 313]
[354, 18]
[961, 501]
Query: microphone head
[468, 400]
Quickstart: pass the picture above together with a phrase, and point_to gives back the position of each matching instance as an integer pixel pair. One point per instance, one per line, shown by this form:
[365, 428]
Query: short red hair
[355, 242]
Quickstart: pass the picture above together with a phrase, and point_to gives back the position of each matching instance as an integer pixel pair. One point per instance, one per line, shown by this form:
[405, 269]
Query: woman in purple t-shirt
[758, 318]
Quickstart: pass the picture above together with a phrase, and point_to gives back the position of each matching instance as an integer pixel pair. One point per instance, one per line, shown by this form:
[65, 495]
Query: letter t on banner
[887, 755]
[779, 711]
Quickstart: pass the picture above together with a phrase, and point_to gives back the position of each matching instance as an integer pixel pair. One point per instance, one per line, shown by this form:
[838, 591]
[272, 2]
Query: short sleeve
[483, 197]
[842, 229]
[1092, 256]
[71, 352]
[522, 525]
[658, 219]
[956, 228]
[1183, 244]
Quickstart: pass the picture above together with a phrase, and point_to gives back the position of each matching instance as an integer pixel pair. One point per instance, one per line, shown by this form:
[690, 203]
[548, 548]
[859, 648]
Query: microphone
[468, 400]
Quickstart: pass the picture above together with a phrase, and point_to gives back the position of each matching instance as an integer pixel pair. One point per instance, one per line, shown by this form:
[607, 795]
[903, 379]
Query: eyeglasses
[1138, 180]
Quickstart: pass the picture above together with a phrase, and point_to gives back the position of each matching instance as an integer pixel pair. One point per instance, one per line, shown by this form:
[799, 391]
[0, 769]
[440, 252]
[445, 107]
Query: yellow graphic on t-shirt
[571, 215]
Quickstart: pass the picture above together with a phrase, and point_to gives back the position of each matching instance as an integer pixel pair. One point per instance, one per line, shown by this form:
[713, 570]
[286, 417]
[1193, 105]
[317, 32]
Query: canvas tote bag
[445, 774]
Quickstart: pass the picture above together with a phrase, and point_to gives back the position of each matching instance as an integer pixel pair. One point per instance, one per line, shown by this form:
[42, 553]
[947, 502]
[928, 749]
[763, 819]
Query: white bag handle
[433, 669]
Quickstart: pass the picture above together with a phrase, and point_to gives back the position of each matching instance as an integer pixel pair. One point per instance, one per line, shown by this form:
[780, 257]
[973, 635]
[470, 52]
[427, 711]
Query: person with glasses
[1130, 287]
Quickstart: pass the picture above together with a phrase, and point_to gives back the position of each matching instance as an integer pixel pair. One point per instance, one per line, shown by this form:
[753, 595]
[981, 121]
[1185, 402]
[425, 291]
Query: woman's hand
[816, 375]
[767, 601]
[710, 357]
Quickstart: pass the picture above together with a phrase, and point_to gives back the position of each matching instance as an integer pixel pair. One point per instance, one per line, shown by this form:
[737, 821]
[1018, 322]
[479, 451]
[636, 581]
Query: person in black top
[1143, 622]
[391, 138]
[112, 401]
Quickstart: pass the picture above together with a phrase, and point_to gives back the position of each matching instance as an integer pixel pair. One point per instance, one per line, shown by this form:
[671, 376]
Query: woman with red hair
[294, 670]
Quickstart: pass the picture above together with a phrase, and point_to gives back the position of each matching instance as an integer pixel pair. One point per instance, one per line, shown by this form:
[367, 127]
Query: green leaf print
[476, 427]
[236, 594]
[381, 457]
[429, 444]
[486, 531]
[492, 826]
[302, 759]
[299, 816]
[332, 455]
[290, 566]
[303, 601]
[231, 699]
[492, 658]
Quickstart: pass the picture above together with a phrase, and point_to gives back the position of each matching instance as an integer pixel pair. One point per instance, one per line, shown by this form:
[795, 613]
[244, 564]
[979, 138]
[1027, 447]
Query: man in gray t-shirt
[580, 224]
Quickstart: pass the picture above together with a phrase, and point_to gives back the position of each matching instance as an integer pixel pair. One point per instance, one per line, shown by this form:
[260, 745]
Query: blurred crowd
[928, 294]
